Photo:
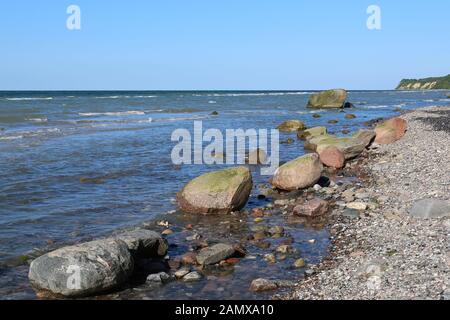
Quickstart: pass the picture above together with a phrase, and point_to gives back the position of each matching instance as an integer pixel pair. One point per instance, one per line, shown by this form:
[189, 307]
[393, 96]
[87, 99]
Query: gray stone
[82, 270]
[215, 254]
[158, 278]
[430, 208]
[144, 243]
[192, 276]
[351, 213]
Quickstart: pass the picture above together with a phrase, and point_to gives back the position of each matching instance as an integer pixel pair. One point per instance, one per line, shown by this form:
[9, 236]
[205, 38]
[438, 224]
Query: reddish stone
[390, 131]
[312, 208]
[233, 261]
[332, 157]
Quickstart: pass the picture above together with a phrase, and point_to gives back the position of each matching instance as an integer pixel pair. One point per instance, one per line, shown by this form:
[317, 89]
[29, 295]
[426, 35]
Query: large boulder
[430, 208]
[292, 126]
[218, 192]
[83, 270]
[366, 136]
[390, 131]
[298, 174]
[328, 99]
[351, 147]
[144, 243]
[332, 157]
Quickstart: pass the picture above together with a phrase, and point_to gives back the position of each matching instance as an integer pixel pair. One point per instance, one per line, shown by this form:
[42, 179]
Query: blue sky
[232, 44]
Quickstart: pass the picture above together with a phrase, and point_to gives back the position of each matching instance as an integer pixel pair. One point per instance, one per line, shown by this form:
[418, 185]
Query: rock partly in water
[298, 174]
[217, 192]
[260, 285]
[83, 270]
[332, 157]
[299, 263]
[312, 208]
[351, 147]
[350, 116]
[158, 278]
[328, 99]
[292, 126]
[430, 208]
[312, 132]
[192, 276]
[215, 254]
[144, 243]
[390, 131]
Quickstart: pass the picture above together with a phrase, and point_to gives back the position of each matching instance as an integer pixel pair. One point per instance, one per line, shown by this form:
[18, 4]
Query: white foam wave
[112, 114]
[28, 99]
[251, 94]
[125, 97]
[377, 107]
[37, 119]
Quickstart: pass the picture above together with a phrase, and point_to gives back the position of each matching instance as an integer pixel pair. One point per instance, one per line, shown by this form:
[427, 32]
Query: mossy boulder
[298, 174]
[351, 147]
[312, 132]
[390, 131]
[217, 192]
[328, 99]
[292, 126]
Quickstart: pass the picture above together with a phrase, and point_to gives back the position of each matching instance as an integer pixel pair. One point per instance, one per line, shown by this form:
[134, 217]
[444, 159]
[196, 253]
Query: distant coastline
[432, 83]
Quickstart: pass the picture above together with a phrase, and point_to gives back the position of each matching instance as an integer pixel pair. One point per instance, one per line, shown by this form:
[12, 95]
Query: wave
[11, 137]
[176, 110]
[251, 94]
[37, 119]
[112, 114]
[125, 97]
[379, 107]
[30, 134]
[28, 99]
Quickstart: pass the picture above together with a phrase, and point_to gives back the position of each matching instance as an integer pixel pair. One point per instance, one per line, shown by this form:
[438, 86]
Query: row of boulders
[228, 190]
[97, 266]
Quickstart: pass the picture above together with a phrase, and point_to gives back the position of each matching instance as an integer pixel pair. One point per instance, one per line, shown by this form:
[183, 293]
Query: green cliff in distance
[433, 83]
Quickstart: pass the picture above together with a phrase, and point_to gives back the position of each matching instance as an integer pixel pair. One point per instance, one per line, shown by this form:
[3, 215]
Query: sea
[81, 165]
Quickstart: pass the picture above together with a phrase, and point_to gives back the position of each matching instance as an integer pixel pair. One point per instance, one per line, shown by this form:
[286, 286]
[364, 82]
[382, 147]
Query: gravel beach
[384, 253]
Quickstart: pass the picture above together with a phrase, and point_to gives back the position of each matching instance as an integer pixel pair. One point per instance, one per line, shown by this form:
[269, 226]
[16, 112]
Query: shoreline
[344, 227]
[385, 253]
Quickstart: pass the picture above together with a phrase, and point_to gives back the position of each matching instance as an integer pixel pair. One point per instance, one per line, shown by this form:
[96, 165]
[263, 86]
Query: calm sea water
[82, 164]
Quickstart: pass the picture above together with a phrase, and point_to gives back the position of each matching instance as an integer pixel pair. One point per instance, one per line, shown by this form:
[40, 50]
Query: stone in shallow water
[192, 276]
[215, 254]
[161, 277]
[217, 192]
[144, 243]
[430, 208]
[260, 285]
[82, 270]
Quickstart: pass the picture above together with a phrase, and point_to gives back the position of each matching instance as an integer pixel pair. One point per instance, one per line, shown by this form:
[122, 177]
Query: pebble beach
[385, 253]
